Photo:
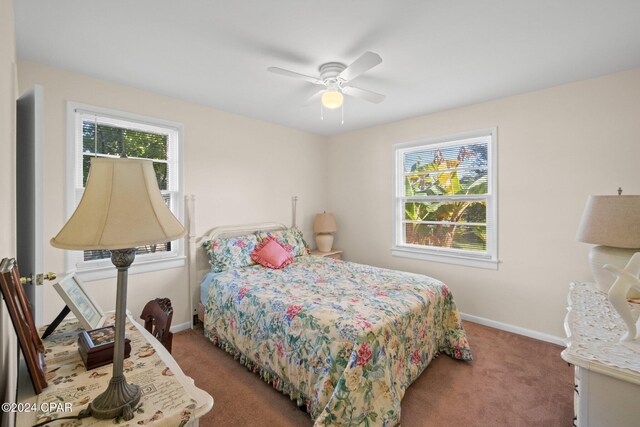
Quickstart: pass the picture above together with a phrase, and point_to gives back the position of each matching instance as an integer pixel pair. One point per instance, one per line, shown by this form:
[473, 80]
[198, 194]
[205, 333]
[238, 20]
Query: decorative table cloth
[164, 400]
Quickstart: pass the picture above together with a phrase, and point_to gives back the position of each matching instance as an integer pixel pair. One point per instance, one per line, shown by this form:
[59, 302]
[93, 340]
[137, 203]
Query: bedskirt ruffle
[267, 376]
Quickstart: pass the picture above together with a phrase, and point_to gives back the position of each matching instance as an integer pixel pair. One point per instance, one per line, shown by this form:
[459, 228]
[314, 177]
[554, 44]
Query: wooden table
[169, 397]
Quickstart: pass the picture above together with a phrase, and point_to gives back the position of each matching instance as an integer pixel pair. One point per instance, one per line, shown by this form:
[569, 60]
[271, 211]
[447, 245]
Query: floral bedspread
[345, 339]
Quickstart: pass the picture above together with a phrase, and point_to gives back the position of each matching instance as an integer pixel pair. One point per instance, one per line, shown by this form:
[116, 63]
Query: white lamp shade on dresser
[613, 223]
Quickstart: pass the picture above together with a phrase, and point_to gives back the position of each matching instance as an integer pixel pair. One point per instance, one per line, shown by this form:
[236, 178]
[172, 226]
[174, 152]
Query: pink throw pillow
[270, 253]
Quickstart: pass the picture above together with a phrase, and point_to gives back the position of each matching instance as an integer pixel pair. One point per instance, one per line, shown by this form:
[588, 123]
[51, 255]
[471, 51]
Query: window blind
[444, 195]
[105, 136]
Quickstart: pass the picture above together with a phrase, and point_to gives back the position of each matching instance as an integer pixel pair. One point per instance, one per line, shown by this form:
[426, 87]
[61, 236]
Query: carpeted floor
[513, 381]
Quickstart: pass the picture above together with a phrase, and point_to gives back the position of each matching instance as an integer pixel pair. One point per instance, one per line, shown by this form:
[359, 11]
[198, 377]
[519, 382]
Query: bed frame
[198, 260]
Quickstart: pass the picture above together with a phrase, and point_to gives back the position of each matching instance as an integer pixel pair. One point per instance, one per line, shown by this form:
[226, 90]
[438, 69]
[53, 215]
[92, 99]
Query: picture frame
[19, 310]
[72, 291]
[100, 337]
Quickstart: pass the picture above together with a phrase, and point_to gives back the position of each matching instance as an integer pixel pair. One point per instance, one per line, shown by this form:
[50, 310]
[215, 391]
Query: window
[445, 203]
[96, 132]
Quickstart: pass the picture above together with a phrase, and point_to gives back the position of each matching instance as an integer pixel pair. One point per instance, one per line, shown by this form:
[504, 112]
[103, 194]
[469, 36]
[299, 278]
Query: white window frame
[448, 255]
[103, 268]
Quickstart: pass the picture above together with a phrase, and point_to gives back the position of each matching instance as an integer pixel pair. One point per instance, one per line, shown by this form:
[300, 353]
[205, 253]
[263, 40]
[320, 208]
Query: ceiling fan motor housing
[329, 73]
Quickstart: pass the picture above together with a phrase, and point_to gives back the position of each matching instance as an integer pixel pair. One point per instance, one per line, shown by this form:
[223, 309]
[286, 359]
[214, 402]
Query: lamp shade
[325, 223]
[121, 207]
[611, 221]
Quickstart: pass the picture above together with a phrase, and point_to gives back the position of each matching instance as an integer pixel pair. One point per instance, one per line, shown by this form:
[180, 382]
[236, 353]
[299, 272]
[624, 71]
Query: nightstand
[335, 254]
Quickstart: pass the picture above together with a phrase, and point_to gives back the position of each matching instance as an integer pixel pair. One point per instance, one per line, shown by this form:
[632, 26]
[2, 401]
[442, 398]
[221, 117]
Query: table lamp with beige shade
[121, 208]
[323, 226]
[612, 223]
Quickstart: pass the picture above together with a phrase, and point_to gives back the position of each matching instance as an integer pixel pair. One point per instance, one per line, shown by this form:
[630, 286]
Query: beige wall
[555, 147]
[241, 171]
[8, 341]
[8, 92]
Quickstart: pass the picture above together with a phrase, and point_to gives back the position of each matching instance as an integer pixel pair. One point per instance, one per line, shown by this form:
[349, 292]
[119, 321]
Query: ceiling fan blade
[295, 75]
[313, 98]
[367, 61]
[367, 95]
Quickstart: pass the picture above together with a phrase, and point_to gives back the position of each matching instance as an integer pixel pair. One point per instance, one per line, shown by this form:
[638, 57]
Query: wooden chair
[157, 315]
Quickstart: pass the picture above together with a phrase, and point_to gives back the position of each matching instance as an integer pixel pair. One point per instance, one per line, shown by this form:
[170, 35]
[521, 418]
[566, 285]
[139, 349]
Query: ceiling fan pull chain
[321, 112]
[342, 122]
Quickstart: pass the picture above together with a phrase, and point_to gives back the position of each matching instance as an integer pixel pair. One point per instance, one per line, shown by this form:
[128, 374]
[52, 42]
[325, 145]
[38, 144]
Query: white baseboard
[181, 327]
[514, 329]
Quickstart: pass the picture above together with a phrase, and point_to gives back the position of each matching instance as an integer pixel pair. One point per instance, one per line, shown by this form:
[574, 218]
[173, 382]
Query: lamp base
[601, 255]
[119, 399]
[324, 242]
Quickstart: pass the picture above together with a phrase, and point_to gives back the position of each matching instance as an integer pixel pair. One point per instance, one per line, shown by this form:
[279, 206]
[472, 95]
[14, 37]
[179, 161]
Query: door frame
[37, 304]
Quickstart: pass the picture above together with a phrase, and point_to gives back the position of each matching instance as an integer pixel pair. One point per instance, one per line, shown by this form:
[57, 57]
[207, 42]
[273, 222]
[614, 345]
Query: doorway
[29, 140]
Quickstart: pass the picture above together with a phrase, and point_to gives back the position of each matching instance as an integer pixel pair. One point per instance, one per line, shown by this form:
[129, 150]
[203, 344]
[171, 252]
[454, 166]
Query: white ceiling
[436, 54]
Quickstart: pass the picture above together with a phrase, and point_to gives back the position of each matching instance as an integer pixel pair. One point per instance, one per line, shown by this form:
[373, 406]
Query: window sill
[457, 259]
[89, 274]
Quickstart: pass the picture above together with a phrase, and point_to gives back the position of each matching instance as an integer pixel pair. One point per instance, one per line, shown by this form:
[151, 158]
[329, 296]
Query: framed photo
[20, 312]
[102, 336]
[88, 313]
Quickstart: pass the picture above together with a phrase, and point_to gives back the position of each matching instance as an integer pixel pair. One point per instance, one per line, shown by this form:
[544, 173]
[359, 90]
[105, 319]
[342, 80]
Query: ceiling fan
[336, 78]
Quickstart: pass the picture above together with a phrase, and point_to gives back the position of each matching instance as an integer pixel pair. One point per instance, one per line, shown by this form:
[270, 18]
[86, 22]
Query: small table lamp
[323, 226]
[121, 208]
[613, 223]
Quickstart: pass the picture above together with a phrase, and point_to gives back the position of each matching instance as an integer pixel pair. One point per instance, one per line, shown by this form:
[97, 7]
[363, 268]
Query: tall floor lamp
[121, 208]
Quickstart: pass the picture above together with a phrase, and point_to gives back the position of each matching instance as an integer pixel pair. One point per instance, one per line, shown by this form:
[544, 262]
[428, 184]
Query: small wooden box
[96, 346]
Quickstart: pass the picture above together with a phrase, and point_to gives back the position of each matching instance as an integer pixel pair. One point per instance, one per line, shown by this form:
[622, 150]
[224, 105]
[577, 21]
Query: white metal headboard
[238, 230]
[198, 261]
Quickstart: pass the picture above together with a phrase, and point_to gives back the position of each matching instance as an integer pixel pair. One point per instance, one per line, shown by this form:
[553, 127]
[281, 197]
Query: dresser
[607, 372]
[169, 397]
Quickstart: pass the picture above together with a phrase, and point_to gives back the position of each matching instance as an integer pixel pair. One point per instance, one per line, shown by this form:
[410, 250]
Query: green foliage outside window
[113, 140]
[454, 223]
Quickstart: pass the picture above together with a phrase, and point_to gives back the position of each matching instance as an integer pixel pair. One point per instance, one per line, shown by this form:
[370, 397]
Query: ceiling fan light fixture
[332, 99]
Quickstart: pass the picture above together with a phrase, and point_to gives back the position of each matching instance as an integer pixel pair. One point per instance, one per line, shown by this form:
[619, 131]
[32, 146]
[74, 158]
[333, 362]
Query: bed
[343, 339]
